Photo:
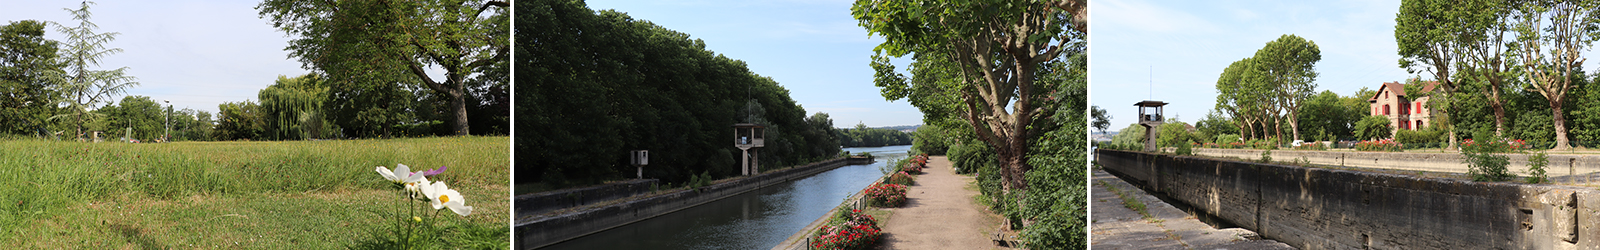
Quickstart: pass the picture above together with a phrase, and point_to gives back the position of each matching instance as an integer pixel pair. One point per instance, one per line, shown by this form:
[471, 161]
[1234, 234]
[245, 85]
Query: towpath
[940, 213]
[1115, 226]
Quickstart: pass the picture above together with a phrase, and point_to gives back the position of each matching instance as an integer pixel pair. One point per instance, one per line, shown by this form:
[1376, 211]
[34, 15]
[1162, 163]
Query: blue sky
[1186, 44]
[811, 47]
[198, 54]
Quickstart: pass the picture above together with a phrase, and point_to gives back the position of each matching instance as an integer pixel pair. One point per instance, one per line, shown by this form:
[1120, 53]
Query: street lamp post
[167, 135]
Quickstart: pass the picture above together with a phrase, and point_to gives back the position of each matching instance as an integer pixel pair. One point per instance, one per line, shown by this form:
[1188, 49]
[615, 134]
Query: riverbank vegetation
[305, 194]
[593, 85]
[862, 136]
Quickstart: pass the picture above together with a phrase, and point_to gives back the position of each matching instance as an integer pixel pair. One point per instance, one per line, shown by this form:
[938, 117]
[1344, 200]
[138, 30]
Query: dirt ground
[940, 213]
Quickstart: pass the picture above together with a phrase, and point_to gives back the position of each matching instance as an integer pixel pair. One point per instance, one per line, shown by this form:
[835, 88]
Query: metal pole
[166, 136]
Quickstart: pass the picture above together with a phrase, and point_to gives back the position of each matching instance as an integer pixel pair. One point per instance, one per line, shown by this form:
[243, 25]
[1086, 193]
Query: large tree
[292, 108]
[997, 51]
[1288, 66]
[1428, 33]
[461, 37]
[27, 64]
[1551, 36]
[82, 87]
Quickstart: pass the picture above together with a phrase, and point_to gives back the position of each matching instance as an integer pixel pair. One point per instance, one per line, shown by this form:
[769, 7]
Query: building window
[1419, 124]
[1386, 109]
[1419, 108]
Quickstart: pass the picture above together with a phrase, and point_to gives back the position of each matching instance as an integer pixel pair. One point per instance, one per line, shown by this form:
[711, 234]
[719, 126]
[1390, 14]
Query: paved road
[1115, 226]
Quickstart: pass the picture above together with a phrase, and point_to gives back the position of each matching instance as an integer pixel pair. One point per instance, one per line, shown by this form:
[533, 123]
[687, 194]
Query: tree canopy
[596, 84]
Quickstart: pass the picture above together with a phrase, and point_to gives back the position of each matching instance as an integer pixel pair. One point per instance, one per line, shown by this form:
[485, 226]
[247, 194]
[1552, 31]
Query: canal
[759, 219]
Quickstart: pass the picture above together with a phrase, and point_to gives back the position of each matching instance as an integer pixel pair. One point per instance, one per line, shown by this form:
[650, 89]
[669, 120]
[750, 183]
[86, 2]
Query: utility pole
[167, 135]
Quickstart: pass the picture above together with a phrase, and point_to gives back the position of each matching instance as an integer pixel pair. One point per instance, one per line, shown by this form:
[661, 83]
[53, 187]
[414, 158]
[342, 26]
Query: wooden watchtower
[747, 137]
[1150, 117]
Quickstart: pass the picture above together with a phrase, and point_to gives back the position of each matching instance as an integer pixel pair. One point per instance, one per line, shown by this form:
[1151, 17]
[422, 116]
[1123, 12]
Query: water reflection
[758, 219]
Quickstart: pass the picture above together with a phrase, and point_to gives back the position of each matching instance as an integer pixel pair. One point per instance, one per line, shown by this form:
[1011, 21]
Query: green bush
[1420, 137]
[1536, 164]
[1484, 158]
[971, 157]
[1185, 149]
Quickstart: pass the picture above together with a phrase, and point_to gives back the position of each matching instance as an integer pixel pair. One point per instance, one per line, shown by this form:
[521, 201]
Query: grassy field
[275, 195]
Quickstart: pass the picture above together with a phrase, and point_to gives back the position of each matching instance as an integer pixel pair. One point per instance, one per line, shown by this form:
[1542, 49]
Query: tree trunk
[1499, 108]
[1561, 124]
[458, 102]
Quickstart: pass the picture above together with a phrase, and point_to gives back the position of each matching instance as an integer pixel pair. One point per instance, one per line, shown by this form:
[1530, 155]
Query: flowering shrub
[848, 229]
[915, 164]
[1379, 145]
[901, 178]
[886, 195]
[1486, 159]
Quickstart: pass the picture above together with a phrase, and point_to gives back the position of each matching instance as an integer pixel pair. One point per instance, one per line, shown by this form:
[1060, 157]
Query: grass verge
[295, 194]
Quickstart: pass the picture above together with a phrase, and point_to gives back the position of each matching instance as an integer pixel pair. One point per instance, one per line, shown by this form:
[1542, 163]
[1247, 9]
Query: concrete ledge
[1316, 208]
[542, 202]
[543, 231]
[1560, 164]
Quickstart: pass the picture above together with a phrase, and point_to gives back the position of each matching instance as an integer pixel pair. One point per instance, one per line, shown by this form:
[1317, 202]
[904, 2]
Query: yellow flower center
[444, 198]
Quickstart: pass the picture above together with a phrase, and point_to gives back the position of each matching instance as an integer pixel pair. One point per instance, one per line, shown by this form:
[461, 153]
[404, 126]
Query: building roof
[1399, 89]
[1149, 103]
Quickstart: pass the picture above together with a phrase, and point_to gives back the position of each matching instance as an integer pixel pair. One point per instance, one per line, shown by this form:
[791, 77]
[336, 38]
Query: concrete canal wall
[547, 230]
[1317, 208]
[543, 202]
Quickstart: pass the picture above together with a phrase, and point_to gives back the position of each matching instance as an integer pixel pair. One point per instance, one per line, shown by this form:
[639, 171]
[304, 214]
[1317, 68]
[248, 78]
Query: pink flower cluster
[917, 164]
[847, 230]
[887, 195]
[1379, 145]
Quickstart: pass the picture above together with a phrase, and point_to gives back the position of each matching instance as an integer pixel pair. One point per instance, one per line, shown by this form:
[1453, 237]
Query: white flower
[401, 174]
[441, 196]
[404, 178]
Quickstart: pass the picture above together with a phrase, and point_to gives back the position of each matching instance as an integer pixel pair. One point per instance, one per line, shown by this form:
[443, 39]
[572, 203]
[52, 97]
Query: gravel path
[940, 213]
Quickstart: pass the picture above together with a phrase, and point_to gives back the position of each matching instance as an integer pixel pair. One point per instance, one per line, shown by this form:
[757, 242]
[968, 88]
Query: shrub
[1266, 156]
[1485, 159]
[886, 195]
[1227, 138]
[901, 178]
[1185, 149]
[1387, 145]
[1536, 164]
[848, 229]
[1420, 137]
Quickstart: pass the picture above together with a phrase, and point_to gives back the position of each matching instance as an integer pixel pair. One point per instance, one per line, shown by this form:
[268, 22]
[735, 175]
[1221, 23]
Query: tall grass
[38, 177]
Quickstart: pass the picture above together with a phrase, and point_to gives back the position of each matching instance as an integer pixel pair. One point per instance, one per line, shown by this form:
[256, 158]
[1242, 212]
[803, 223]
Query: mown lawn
[295, 195]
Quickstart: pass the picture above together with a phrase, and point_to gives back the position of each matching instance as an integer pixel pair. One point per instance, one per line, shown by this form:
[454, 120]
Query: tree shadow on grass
[136, 235]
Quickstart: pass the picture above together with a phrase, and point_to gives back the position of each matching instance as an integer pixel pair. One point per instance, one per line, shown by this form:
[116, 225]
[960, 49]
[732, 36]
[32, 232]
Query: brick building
[1407, 112]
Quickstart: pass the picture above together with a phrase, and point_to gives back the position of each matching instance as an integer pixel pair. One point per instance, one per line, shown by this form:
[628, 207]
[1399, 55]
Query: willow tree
[292, 108]
[998, 51]
[1551, 37]
[84, 88]
[464, 38]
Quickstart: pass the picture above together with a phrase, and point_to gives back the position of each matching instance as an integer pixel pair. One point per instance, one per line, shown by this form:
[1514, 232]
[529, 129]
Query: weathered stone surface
[1316, 208]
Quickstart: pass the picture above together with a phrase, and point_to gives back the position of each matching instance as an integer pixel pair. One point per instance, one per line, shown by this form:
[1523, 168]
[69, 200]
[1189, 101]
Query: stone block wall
[1316, 208]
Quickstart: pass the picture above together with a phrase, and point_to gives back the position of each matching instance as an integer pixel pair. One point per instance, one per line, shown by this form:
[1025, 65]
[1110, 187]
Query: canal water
[758, 219]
